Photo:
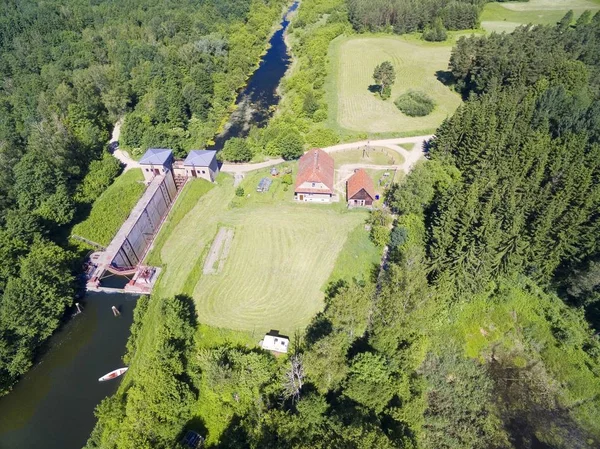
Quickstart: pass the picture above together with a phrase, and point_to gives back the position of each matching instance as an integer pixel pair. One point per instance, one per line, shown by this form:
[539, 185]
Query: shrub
[436, 32]
[239, 191]
[415, 103]
[236, 149]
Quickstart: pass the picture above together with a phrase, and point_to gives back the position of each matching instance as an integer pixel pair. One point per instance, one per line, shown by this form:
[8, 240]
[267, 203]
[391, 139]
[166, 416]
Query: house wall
[179, 171]
[200, 172]
[358, 196]
[313, 197]
[279, 344]
[148, 170]
[312, 185]
[357, 202]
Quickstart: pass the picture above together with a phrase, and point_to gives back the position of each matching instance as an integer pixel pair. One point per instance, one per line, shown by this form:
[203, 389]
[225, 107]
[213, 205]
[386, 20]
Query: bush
[236, 149]
[239, 191]
[415, 103]
[436, 32]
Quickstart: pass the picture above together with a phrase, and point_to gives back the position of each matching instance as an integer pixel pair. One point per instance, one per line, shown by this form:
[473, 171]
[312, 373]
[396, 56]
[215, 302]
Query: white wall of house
[272, 343]
[312, 185]
[150, 171]
[200, 172]
[313, 197]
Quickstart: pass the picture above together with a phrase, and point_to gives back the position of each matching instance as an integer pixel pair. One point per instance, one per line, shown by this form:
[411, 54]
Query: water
[256, 102]
[52, 407]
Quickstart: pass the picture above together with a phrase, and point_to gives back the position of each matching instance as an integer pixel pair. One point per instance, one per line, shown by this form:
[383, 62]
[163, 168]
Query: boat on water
[113, 374]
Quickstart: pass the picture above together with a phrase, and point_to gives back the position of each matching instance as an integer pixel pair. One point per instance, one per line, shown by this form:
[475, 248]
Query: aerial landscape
[300, 224]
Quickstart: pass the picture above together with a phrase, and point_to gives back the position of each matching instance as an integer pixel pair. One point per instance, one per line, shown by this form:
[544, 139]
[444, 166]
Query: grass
[188, 198]
[358, 257]
[507, 16]
[354, 108]
[280, 259]
[112, 208]
[376, 156]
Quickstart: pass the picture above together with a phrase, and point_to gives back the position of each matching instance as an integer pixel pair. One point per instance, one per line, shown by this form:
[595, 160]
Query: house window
[313, 184]
[147, 170]
[203, 172]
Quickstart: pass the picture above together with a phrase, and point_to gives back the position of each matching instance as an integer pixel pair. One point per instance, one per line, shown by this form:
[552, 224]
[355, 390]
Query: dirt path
[410, 157]
[218, 251]
[121, 155]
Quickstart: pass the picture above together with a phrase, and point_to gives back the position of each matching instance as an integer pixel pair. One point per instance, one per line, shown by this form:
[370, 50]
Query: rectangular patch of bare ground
[218, 251]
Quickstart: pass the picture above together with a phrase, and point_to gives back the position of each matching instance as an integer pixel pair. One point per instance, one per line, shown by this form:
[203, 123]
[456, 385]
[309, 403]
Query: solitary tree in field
[384, 75]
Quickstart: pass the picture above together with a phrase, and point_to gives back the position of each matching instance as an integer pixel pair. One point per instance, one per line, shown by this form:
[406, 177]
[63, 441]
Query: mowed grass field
[509, 15]
[353, 107]
[281, 256]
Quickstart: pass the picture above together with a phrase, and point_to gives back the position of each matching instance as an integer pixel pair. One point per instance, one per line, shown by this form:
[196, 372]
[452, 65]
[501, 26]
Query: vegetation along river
[53, 405]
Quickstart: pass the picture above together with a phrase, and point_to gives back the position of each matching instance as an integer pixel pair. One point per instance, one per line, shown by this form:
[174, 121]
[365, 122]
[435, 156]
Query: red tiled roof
[315, 166]
[360, 180]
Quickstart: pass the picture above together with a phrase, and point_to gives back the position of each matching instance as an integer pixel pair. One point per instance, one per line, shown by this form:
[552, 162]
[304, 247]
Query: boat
[113, 374]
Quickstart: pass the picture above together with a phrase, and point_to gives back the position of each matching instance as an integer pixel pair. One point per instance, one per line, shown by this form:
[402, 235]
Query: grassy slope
[112, 208]
[353, 108]
[358, 257]
[281, 256]
[188, 198]
[507, 16]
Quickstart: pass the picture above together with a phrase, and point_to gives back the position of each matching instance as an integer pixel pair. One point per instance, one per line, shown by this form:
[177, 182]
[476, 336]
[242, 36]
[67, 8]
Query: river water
[52, 407]
[256, 102]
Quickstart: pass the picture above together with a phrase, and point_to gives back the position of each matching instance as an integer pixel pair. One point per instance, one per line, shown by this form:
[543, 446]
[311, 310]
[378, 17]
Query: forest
[482, 331]
[69, 72]
[407, 16]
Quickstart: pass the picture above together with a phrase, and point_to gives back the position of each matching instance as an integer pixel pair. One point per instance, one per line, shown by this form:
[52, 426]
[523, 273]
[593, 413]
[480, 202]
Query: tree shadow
[374, 88]
[318, 328]
[196, 424]
[234, 436]
[445, 77]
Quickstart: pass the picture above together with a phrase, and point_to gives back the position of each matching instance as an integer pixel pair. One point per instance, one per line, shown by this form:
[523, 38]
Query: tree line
[407, 16]
[69, 72]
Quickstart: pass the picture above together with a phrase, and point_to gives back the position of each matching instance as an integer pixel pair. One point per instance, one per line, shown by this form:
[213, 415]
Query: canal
[256, 102]
[52, 406]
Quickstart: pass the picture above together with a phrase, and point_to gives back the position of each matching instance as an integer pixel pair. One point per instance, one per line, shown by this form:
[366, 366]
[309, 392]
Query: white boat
[113, 374]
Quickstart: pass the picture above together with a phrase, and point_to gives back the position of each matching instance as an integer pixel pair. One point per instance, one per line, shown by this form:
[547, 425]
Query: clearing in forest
[417, 64]
[506, 16]
[279, 261]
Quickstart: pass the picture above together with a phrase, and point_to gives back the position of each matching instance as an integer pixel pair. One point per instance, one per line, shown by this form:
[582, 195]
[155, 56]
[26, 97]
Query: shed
[275, 342]
[202, 164]
[274, 172]
[264, 185]
[192, 440]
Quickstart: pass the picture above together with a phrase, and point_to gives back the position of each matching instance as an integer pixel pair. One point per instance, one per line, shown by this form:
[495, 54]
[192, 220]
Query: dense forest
[479, 333]
[406, 16]
[69, 71]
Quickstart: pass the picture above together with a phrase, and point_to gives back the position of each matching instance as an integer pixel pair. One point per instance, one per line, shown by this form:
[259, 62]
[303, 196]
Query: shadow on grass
[445, 77]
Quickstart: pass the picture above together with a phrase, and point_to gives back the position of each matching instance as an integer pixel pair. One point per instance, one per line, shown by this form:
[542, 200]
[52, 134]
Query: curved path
[410, 157]
[121, 155]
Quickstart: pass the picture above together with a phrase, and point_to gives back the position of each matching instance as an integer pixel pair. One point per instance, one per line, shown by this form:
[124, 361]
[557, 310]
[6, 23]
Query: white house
[275, 342]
